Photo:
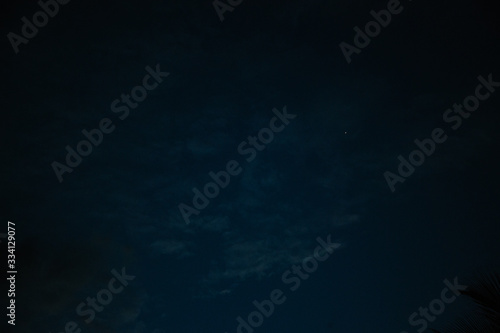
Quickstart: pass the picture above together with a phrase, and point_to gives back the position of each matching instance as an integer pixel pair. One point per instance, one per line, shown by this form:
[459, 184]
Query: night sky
[189, 159]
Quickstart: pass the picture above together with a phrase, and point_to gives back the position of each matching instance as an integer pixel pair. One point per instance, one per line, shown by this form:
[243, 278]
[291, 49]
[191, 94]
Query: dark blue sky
[323, 174]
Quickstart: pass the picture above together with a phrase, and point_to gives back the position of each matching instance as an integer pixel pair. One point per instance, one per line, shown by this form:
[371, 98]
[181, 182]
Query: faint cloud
[172, 247]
